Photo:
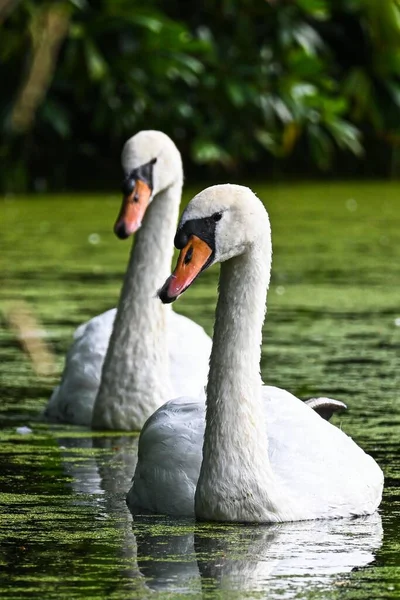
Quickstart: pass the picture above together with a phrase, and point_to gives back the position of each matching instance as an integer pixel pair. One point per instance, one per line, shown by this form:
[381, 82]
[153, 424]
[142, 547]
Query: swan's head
[151, 163]
[221, 222]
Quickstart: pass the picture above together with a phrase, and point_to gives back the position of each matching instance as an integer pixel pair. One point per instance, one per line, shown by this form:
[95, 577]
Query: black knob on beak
[128, 186]
[181, 239]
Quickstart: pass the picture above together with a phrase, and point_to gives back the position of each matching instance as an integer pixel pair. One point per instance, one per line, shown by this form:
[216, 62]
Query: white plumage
[72, 401]
[322, 470]
[266, 456]
[148, 351]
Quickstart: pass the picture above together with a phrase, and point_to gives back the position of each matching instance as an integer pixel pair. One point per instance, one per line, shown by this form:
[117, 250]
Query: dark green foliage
[233, 82]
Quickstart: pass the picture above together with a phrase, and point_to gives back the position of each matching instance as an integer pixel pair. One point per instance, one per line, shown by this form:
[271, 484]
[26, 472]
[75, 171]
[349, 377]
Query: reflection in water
[277, 558]
[166, 555]
[101, 470]
[181, 556]
[98, 473]
[283, 557]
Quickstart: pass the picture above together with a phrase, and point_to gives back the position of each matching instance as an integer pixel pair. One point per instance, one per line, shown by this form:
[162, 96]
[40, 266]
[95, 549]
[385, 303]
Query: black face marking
[144, 173]
[127, 186]
[201, 228]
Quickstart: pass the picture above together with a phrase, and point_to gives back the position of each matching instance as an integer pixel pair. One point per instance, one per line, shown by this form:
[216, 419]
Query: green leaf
[56, 116]
[346, 136]
[307, 38]
[97, 66]
[207, 151]
[321, 147]
[266, 140]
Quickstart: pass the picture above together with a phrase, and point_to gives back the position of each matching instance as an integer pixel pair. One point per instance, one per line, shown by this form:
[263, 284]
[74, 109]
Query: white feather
[147, 350]
[266, 456]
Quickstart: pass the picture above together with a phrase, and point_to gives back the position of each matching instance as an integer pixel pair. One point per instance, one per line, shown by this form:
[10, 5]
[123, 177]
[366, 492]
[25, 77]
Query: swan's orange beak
[132, 210]
[192, 260]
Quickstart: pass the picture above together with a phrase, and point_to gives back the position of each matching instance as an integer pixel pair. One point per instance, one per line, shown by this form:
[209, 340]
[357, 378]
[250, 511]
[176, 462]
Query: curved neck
[234, 384]
[135, 377]
[235, 465]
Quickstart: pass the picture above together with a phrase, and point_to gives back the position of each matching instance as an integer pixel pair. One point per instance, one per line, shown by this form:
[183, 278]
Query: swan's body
[72, 401]
[170, 459]
[266, 457]
[124, 363]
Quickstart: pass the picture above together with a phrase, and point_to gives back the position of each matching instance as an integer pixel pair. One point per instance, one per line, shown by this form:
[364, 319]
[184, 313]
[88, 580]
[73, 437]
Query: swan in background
[148, 351]
[266, 456]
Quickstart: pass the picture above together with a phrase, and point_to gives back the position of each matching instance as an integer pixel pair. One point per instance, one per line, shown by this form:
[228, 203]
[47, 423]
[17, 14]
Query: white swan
[150, 355]
[267, 457]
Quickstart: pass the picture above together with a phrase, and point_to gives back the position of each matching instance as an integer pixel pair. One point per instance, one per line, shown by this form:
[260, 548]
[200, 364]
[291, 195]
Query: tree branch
[48, 30]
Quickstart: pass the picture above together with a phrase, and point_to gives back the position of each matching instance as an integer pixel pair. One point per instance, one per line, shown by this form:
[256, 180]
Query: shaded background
[251, 91]
[268, 89]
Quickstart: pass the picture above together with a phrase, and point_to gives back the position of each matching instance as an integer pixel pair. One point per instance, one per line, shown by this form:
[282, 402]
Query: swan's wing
[169, 459]
[189, 350]
[325, 407]
[72, 401]
[318, 466]
[325, 472]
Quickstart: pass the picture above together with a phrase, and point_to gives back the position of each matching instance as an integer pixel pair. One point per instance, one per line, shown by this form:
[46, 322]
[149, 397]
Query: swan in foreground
[148, 351]
[266, 456]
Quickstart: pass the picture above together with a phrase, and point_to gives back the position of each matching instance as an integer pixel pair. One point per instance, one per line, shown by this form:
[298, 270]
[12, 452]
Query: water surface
[333, 328]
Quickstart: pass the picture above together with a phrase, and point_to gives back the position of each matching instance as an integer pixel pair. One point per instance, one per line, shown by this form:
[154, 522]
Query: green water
[333, 328]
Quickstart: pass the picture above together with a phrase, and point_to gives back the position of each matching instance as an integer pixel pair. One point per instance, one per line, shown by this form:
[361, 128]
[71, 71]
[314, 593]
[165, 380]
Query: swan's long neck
[236, 481]
[135, 378]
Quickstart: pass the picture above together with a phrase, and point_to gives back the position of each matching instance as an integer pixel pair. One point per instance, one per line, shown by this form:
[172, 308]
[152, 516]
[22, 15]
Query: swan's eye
[217, 216]
[189, 255]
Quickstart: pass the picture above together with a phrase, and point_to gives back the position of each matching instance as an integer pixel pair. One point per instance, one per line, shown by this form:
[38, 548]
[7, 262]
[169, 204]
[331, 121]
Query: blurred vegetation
[245, 86]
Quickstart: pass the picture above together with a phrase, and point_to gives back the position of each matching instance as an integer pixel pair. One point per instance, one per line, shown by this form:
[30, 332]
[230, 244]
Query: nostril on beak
[189, 255]
[120, 230]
